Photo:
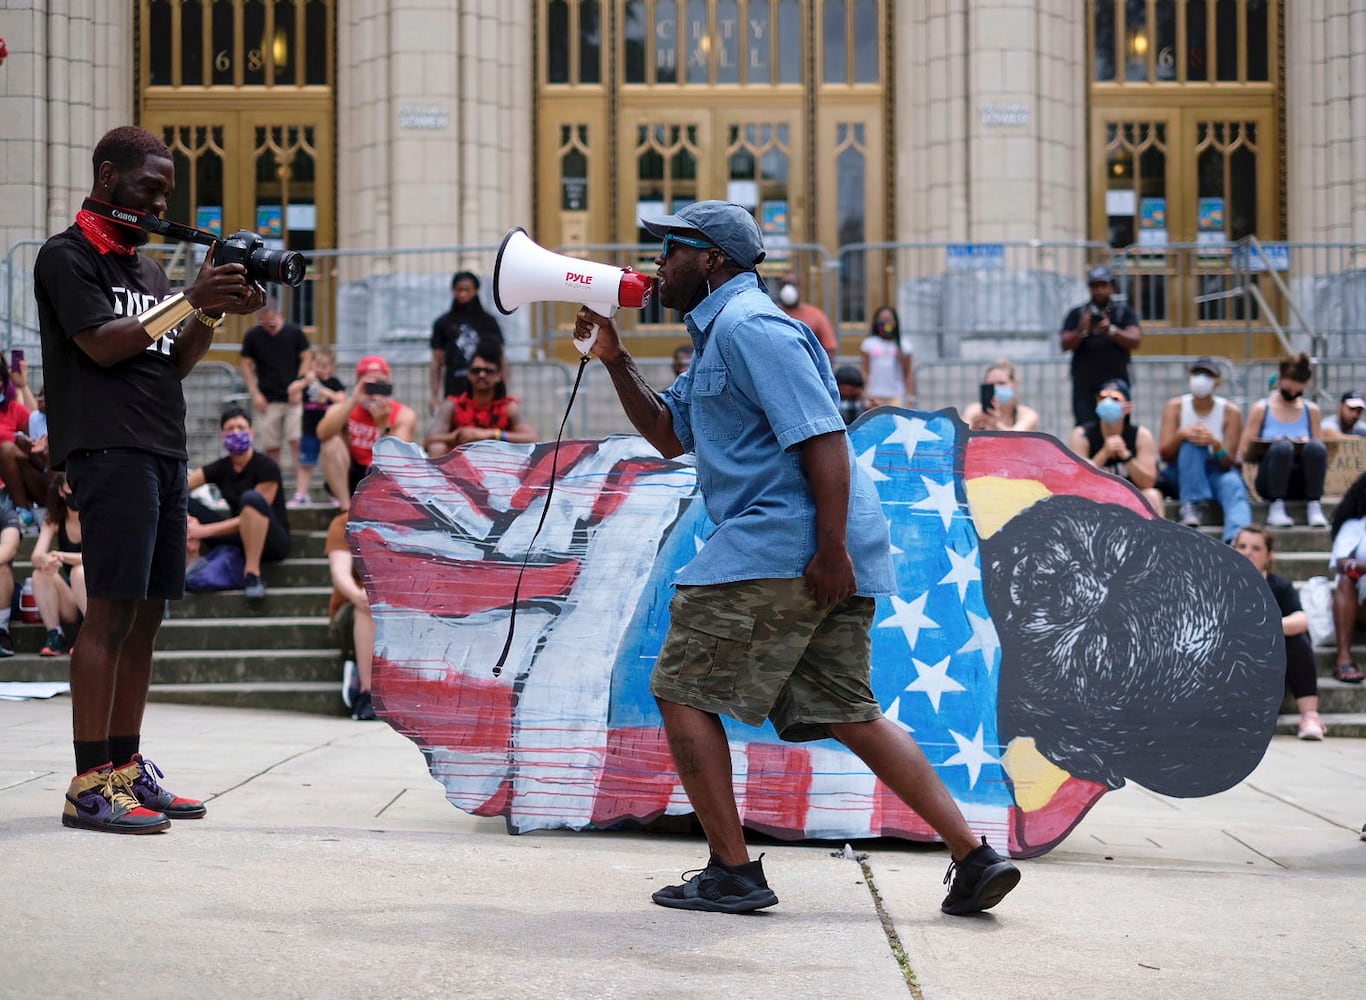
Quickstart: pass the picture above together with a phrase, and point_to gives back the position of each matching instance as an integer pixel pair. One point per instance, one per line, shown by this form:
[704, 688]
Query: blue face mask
[1003, 394]
[1109, 410]
[237, 442]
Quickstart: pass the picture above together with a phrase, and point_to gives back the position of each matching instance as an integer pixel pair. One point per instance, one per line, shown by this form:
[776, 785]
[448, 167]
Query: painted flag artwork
[1049, 639]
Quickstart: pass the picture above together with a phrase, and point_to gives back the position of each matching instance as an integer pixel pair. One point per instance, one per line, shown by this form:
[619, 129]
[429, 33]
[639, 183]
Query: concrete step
[203, 667]
[1288, 539]
[1327, 658]
[1334, 696]
[314, 698]
[307, 544]
[1339, 726]
[287, 601]
[1300, 566]
[1295, 508]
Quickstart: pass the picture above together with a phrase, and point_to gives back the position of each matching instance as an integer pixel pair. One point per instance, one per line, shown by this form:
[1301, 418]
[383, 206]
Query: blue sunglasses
[687, 241]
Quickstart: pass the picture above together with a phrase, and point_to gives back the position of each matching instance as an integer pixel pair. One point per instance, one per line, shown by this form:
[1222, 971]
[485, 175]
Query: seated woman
[1006, 412]
[1282, 436]
[484, 413]
[1114, 443]
[250, 482]
[1301, 675]
[58, 573]
[1348, 561]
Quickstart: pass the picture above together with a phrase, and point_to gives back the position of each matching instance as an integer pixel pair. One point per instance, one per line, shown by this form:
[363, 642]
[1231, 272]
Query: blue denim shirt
[759, 385]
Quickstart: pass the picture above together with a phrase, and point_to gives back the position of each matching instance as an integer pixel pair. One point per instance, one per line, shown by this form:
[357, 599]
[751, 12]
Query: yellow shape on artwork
[994, 500]
[1035, 778]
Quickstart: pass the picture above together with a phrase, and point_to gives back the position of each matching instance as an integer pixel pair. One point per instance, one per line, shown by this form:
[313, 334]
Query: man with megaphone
[770, 620]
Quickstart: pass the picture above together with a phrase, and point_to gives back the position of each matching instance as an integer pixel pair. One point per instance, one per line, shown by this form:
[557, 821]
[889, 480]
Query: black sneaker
[719, 888]
[6, 643]
[980, 881]
[363, 707]
[253, 587]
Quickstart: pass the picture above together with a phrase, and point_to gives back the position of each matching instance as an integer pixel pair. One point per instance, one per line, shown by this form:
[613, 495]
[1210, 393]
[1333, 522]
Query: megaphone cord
[549, 492]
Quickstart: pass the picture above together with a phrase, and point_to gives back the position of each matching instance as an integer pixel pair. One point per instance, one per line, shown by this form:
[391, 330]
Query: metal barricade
[965, 299]
[1045, 385]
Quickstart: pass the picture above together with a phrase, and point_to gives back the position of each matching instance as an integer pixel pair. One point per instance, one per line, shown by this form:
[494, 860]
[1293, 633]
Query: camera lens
[282, 267]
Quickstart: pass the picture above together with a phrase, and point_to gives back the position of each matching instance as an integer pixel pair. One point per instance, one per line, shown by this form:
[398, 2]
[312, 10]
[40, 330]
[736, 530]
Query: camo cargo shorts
[764, 649]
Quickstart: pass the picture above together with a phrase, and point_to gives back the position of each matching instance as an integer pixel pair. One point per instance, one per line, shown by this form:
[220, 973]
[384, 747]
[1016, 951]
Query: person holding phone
[998, 407]
[349, 429]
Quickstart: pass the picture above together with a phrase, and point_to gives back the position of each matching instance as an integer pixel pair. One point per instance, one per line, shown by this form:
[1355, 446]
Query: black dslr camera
[280, 267]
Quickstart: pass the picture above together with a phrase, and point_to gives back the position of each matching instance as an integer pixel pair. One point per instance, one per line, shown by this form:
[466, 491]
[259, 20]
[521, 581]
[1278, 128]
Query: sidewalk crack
[889, 929]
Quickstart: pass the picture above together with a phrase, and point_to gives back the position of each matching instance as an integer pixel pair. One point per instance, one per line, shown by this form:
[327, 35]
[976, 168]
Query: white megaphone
[527, 272]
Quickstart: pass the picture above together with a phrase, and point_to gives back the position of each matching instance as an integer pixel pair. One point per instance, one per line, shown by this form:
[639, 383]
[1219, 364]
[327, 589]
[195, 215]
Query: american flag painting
[1009, 651]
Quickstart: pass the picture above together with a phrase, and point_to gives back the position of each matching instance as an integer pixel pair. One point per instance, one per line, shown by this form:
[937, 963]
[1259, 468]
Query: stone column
[1325, 108]
[991, 120]
[68, 80]
[990, 106]
[434, 122]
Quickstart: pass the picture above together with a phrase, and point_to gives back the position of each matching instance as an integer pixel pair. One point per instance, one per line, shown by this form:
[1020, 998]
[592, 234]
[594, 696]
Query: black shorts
[132, 507]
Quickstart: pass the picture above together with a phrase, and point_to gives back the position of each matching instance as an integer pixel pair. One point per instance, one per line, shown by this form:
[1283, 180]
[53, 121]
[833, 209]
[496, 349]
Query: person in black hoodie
[457, 335]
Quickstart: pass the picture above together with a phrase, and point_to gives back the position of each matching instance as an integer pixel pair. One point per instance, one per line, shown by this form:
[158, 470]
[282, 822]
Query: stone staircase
[221, 649]
[1301, 553]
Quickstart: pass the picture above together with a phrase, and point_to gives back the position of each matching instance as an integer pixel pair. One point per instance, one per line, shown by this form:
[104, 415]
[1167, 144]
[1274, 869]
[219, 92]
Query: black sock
[90, 754]
[122, 748]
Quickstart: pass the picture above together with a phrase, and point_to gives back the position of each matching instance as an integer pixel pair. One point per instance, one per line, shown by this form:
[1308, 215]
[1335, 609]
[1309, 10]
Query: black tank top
[1095, 440]
[64, 542]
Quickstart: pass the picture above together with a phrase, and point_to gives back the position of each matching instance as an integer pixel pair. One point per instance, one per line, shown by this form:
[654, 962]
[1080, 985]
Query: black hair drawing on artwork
[1132, 647]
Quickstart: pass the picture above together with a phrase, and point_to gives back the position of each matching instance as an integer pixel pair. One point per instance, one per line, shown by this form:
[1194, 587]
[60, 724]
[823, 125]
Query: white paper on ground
[22, 690]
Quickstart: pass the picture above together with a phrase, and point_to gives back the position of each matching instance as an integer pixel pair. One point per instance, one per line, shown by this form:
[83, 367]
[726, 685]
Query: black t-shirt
[277, 358]
[136, 403]
[1099, 357]
[1287, 597]
[460, 333]
[232, 484]
[315, 407]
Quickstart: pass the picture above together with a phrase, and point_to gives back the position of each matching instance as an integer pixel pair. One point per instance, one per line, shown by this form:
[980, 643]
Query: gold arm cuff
[166, 315]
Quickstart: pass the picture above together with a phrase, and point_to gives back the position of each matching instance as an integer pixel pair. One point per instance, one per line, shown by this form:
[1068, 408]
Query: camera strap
[545, 509]
[147, 222]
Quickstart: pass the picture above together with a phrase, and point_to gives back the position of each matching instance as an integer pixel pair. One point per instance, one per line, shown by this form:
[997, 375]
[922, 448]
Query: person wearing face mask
[1006, 412]
[1282, 435]
[787, 580]
[888, 377]
[1347, 422]
[256, 518]
[1113, 442]
[790, 301]
[349, 429]
[1199, 436]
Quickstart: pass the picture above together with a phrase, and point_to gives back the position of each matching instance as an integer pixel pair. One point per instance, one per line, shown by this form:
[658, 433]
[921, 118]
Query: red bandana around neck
[106, 235]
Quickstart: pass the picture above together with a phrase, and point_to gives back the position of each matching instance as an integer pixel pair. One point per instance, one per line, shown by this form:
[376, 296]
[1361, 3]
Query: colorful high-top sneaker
[140, 775]
[99, 800]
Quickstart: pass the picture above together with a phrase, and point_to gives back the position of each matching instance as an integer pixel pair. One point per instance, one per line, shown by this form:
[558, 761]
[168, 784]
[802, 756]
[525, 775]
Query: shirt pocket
[718, 416]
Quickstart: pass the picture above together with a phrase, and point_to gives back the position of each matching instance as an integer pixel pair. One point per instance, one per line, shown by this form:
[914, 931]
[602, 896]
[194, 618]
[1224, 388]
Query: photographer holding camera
[349, 429]
[116, 345]
[1101, 334]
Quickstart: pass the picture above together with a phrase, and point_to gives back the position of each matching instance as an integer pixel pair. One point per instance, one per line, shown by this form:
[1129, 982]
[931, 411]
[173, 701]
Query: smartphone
[986, 395]
[379, 389]
[15, 357]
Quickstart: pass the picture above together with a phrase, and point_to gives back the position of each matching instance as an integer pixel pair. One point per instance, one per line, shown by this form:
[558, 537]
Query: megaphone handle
[587, 343]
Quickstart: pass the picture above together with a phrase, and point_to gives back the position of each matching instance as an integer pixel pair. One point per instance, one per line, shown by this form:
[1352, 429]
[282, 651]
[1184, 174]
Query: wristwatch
[212, 322]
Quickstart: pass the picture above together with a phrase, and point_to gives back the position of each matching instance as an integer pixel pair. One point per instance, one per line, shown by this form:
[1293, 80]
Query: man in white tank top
[1199, 437]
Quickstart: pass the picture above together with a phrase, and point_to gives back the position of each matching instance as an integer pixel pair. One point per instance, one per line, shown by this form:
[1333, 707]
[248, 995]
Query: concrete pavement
[331, 866]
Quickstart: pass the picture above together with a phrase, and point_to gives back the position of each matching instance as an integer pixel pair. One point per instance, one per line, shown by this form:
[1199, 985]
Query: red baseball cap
[371, 364]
